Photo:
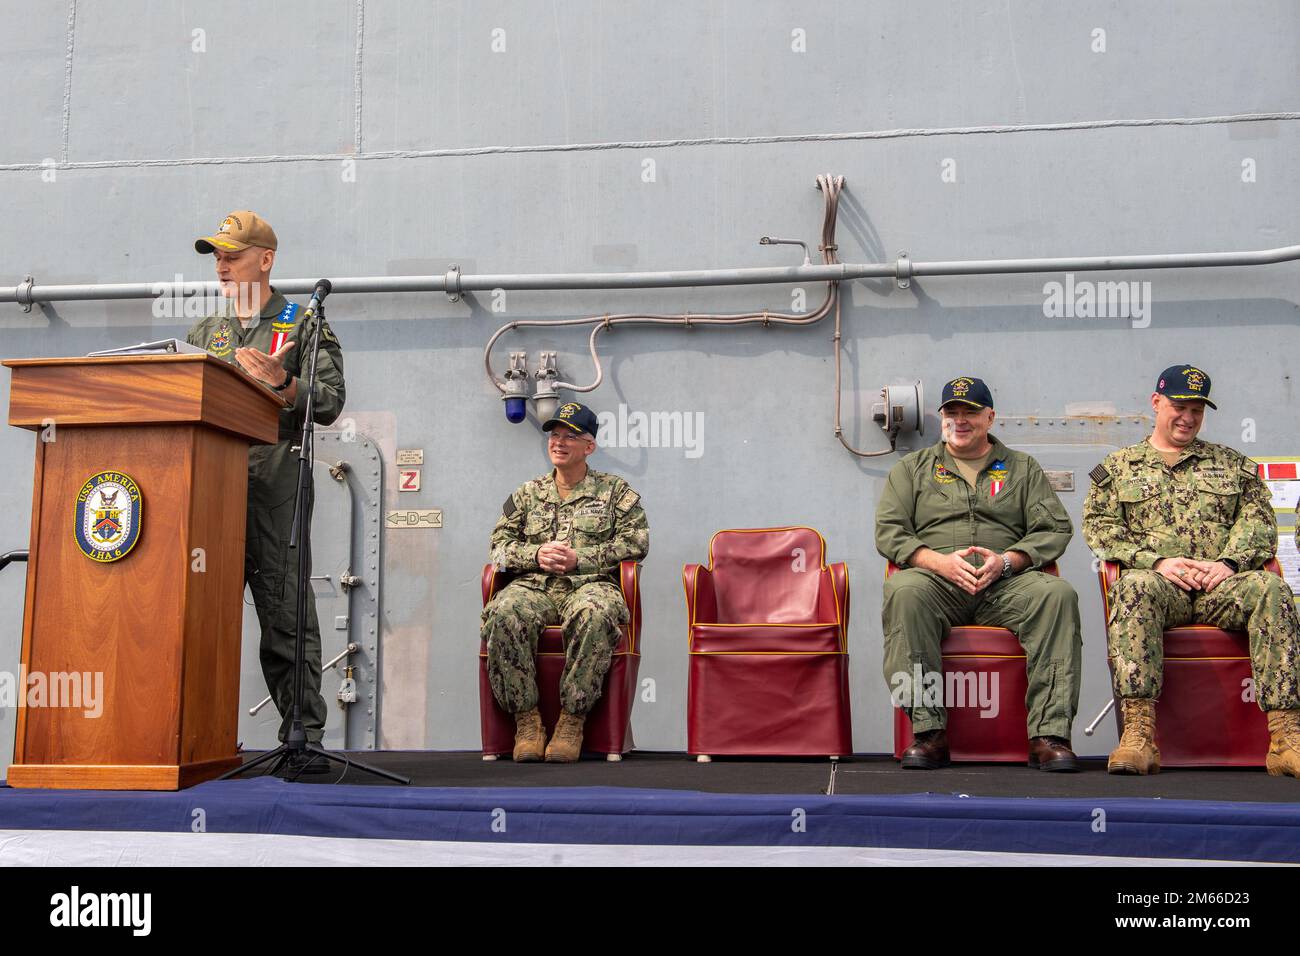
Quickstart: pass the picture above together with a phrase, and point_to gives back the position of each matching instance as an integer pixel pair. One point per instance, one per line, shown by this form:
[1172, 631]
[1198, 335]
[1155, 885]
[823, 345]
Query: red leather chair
[1201, 720]
[981, 650]
[767, 632]
[609, 724]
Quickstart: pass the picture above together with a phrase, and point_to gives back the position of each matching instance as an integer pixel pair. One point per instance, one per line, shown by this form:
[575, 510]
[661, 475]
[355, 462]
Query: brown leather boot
[1052, 754]
[929, 751]
[1284, 749]
[566, 742]
[530, 736]
[1137, 752]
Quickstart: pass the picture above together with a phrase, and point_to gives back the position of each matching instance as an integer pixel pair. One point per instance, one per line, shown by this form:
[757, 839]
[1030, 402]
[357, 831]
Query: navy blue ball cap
[968, 391]
[572, 415]
[1183, 383]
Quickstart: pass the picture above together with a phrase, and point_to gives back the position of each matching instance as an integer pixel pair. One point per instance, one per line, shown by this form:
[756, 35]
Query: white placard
[1282, 488]
[1289, 557]
[414, 518]
[1285, 494]
[410, 456]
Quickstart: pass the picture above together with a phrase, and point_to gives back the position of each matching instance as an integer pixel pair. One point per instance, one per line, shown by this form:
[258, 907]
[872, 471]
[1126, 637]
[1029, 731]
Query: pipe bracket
[23, 293]
[903, 271]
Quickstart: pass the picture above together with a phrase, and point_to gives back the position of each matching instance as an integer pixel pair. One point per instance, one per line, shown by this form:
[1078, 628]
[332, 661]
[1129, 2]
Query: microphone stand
[296, 746]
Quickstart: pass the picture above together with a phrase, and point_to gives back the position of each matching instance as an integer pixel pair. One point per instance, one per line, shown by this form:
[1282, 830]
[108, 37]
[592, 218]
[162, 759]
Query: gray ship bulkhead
[389, 140]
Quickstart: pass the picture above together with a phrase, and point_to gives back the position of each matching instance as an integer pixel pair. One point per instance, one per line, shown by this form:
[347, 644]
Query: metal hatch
[345, 580]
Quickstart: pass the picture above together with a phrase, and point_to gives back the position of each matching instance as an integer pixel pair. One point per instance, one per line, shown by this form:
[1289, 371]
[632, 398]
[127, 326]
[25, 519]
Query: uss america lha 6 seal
[107, 523]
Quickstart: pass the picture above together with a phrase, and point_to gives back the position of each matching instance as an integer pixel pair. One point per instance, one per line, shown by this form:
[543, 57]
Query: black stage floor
[865, 775]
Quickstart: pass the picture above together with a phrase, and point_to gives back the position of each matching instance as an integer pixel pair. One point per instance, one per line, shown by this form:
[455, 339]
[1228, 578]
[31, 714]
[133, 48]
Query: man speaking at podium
[263, 333]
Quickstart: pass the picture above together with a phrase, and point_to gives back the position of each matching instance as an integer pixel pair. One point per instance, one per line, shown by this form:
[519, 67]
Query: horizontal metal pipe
[1107, 263]
[784, 275]
[656, 280]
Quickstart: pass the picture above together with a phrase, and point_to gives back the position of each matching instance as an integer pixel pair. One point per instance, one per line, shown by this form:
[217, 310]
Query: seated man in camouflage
[564, 534]
[1192, 524]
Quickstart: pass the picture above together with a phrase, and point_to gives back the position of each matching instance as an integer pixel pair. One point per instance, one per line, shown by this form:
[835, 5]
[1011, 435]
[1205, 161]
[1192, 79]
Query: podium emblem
[107, 523]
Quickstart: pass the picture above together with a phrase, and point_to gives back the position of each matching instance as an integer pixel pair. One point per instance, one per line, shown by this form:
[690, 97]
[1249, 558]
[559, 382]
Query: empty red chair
[1201, 718]
[768, 624]
[609, 724]
[981, 652]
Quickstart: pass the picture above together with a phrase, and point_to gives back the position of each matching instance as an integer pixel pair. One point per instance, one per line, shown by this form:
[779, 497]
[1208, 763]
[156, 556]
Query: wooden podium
[162, 622]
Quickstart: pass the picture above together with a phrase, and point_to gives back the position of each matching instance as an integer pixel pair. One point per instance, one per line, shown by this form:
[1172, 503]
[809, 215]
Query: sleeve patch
[1251, 468]
[1099, 475]
[628, 501]
[510, 509]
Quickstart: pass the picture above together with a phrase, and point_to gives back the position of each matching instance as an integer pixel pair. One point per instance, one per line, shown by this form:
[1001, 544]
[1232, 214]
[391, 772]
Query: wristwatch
[1007, 570]
[288, 377]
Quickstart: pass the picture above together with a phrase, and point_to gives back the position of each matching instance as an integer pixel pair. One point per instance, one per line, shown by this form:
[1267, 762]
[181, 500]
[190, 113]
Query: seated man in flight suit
[565, 534]
[969, 522]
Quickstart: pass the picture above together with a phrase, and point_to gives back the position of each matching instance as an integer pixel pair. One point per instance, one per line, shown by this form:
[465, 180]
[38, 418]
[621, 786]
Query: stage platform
[656, 808]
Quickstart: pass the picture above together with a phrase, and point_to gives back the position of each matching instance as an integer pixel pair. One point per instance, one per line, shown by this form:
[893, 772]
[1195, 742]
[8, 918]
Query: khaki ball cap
[241, 229]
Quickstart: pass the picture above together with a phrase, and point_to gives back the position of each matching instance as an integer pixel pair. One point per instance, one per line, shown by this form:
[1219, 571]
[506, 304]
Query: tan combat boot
[1137, 751]
[530, 736]
[566, 742]
[1284, 750]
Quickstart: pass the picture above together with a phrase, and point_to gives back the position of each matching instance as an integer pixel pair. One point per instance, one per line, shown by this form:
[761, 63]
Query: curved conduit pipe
[831, 187]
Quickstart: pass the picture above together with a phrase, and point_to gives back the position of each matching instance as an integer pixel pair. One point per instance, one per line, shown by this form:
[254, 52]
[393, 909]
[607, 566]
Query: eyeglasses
[555, 435]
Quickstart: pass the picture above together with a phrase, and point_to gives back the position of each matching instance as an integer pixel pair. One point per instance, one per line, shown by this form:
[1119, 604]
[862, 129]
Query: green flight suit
[1209, 505]
[270, 566]
[603, 521]
[926, 503]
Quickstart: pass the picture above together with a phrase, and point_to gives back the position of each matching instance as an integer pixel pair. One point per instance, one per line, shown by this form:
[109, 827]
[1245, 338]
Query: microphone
[323, 288]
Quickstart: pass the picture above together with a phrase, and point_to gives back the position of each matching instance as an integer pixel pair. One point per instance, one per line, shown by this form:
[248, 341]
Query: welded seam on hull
[67, 81]
[668, 143]
[356, 78]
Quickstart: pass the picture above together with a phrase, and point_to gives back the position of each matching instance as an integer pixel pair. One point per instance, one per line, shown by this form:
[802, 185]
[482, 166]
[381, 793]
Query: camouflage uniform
[602, 520]
[270, 567]
[926, 504]
[1209, 505]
